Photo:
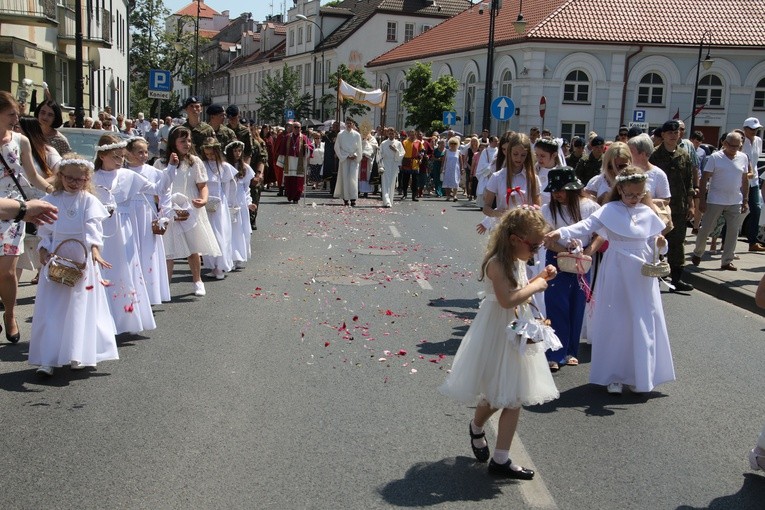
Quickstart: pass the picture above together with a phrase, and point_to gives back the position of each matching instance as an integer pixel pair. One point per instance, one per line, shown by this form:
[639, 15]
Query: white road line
[534, 492]
[421, 281]
[394, 231]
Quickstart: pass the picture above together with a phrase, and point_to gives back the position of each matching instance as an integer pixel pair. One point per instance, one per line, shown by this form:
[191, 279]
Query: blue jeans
[753, 223]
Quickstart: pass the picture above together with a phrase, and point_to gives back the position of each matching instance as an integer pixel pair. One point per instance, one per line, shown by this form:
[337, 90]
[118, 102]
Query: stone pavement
[735, 287]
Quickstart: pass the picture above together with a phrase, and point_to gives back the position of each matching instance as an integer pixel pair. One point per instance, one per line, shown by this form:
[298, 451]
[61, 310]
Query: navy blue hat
[670, 125]
[232, 111]
[634, 131]
[215, 109]
[190, 101]
[598, 140]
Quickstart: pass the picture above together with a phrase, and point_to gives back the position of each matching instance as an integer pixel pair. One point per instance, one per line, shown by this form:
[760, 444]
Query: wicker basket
[182, 214]
[657, 268]
[66, 271]
[157, 228]
[576, 263]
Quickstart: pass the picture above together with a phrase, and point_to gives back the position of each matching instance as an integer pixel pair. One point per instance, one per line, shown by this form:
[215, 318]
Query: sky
[259, 8]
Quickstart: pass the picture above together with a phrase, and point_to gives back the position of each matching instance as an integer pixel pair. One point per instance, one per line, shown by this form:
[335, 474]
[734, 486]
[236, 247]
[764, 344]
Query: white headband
[135, 139]
[76, 162]
[118, 145]
[640, 177]
[235, 143]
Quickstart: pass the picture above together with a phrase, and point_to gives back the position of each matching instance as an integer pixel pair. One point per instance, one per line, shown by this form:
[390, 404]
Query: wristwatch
[22, 211]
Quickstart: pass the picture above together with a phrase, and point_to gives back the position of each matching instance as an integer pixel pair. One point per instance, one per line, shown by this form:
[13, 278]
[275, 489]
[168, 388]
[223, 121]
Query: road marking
[420, 278]
[394, 231]
[534, 492]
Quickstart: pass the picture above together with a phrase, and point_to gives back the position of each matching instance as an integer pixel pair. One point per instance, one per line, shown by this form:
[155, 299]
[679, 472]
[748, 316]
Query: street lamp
[321, 33]
[707, 63]
[520, 26]
[196, 49]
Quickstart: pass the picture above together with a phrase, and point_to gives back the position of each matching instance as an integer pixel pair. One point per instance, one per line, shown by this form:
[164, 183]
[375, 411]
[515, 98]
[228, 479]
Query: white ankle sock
[501, 456]
[478, 443]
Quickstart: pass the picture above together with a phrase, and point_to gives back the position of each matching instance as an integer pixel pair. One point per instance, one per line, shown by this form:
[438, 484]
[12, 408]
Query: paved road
[309, 380]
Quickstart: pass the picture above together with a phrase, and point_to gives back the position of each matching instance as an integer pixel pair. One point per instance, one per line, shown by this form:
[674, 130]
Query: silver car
[83, 140]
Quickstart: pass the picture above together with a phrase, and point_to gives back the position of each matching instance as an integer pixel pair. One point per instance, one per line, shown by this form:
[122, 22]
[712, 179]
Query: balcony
[17, 51]
[96, 33]
[36, 13]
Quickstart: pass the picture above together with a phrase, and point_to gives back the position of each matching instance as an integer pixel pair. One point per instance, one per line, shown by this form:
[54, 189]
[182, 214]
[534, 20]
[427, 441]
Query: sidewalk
[735, 287]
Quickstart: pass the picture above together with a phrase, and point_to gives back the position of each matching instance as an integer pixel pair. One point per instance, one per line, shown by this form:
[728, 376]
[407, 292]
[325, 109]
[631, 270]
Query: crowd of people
[190, 190]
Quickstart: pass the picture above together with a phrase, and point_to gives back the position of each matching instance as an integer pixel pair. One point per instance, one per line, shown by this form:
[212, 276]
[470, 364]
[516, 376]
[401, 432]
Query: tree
[426, 100]
[152, 47]
[353, 77]
[281, 92]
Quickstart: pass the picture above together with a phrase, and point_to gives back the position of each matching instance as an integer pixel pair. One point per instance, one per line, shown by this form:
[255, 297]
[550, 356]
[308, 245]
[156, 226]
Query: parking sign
[638, 116]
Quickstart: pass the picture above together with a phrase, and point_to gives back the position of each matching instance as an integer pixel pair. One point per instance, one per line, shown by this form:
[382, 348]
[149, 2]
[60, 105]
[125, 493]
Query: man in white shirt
[392, 153]
[348, 150]
[753, 148]
[726, 173]
[142, 125]
[484, 168]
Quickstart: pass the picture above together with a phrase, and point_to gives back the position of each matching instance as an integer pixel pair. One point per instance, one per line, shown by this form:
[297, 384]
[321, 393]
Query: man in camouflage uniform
[216, 114]
[589, 166]
[677, 164]
[241, 131]
[199, 129]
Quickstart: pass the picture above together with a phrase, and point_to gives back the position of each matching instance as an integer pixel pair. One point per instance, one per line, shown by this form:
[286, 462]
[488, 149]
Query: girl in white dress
[73, 325]
[496, 367]
[549, 156]
[145, 210]
[451, 169]
[220, 189]
[514, 187]
[116, 187]
[193, 236]
[369, 153]
[241, 230]
[636, 351]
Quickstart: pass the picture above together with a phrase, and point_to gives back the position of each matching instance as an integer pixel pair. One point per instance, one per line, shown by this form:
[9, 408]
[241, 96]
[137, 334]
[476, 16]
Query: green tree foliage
[152, 47]
[426, 100]
[281, 92]
[353, 77]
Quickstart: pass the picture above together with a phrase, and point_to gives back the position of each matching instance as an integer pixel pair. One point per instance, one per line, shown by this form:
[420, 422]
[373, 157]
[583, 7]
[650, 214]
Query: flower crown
[76, 162]
[135, 139]
[637, 177]
[235, 143]
[117, 145]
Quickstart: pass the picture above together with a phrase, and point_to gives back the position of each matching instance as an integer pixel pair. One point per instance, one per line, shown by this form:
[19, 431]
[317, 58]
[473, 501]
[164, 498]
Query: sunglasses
[533, 248]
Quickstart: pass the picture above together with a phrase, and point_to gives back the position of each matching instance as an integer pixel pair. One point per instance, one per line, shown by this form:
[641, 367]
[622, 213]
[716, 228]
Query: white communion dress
[73, 323]
[220, 181]
[494, 364]
[241, 230]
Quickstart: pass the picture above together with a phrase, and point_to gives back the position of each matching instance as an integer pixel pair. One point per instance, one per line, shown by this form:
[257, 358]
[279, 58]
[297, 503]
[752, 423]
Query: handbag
[29, 227]
[535, 331]
[212, 204]
[665, 214]
[657, 268]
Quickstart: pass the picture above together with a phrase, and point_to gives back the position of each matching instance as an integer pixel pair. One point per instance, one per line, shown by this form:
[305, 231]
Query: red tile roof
[207, 33]
[737, 23]
[205, 11]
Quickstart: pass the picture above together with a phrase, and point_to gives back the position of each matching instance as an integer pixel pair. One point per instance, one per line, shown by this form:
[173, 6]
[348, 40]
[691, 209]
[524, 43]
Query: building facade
[37, 45]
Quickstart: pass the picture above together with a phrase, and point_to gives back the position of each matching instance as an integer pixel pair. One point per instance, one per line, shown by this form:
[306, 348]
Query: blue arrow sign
[502, 108]
[450, 118]
[160, 80]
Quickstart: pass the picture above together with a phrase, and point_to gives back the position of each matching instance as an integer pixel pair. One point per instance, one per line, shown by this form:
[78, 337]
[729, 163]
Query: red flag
[677, 115]
[698, 109]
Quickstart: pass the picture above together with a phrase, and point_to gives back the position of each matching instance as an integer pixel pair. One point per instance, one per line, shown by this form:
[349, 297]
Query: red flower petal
[326, 344]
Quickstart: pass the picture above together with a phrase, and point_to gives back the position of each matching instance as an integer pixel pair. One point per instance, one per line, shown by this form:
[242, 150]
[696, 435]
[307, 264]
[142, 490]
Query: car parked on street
[83, 140]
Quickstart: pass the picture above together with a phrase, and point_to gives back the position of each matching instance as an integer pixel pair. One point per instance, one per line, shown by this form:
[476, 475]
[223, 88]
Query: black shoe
[681, 286]
[507, 471]
[415, 199]
[14, 339]
[481, 454]
[366, 195]
[353, 203]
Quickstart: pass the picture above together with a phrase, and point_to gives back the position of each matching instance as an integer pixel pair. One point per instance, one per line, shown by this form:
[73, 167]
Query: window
[300, 35]
[425, 28]
[759, 95]
[468, 120]
[400, 106]
[651, 90]
[408, 32]
[299, 72]
[308, 33]
[292, 38]
[569, 130]
[391, 34]
[307, 74]
[505, 89]
[65, 96]
[576, 88]
[317, 72]
[710, 92]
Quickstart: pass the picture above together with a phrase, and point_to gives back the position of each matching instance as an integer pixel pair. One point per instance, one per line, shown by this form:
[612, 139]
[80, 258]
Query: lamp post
[707, 63]
[520, 26]
[196, 49]
[79, 81]
[321, 33]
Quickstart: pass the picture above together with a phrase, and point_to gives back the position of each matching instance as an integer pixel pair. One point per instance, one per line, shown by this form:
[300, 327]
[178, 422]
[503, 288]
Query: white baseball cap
[752, 123]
